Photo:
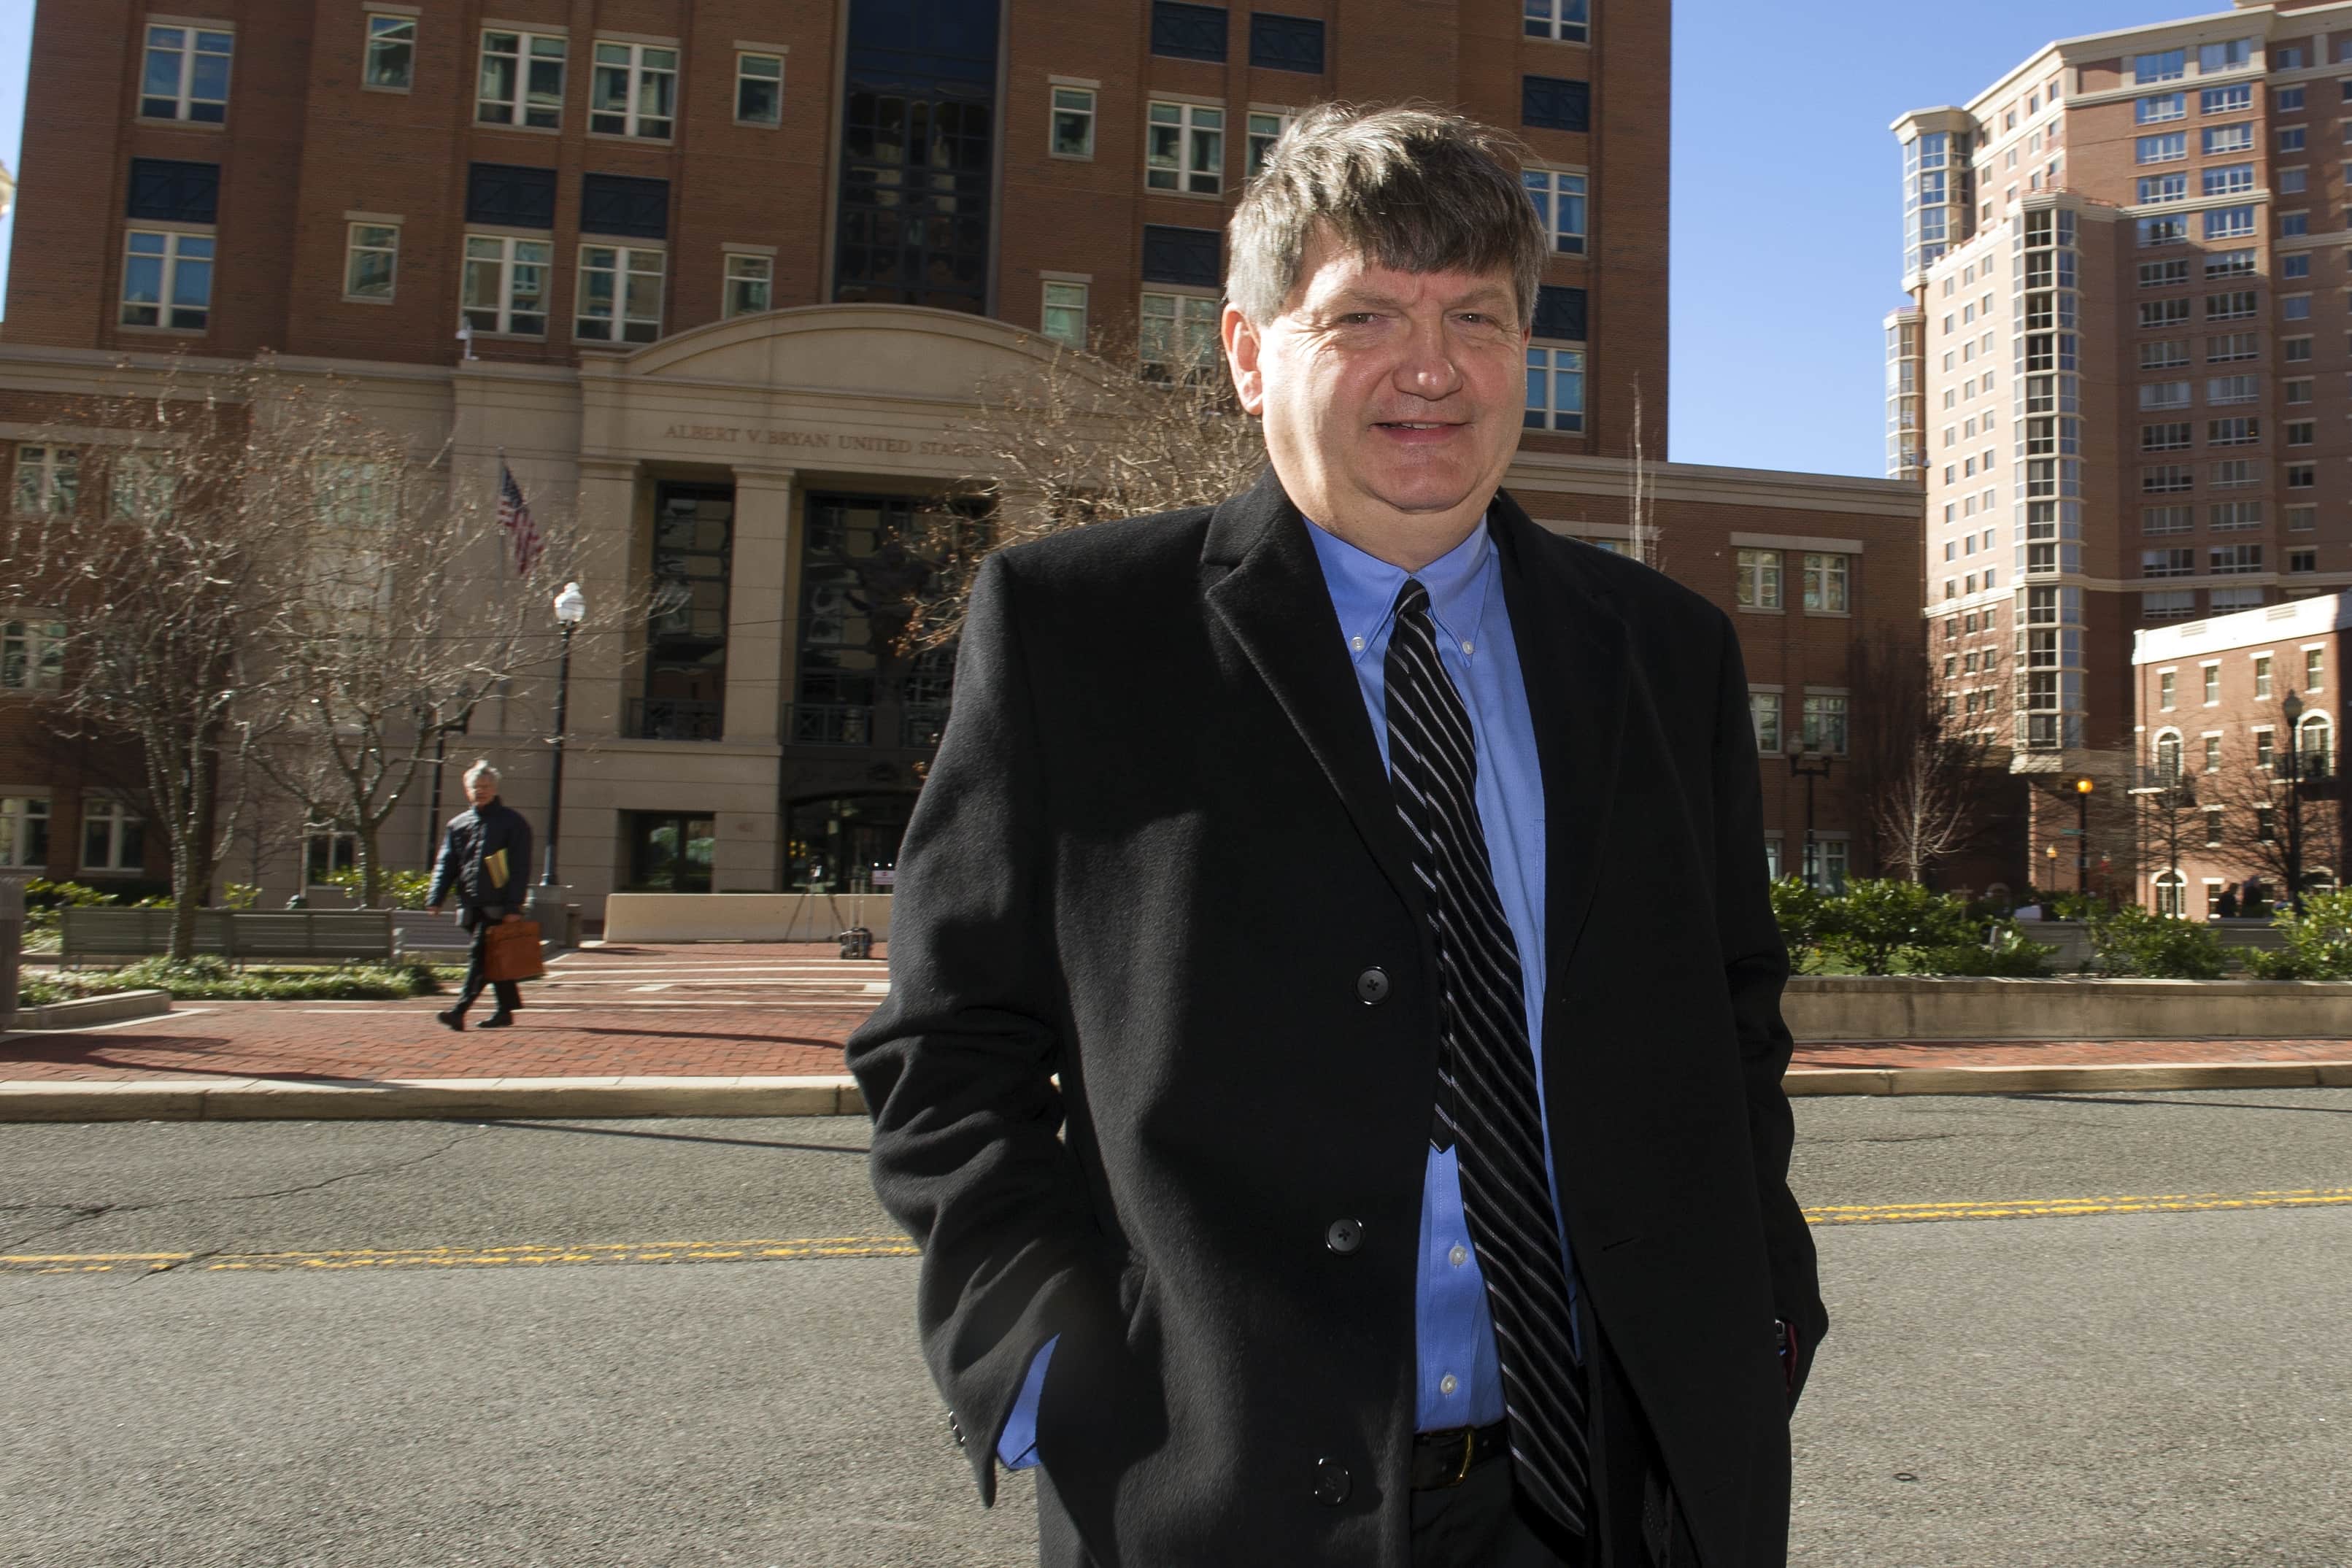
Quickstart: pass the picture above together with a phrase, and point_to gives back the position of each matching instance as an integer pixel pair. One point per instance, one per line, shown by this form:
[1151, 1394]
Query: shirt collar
[1364, 589]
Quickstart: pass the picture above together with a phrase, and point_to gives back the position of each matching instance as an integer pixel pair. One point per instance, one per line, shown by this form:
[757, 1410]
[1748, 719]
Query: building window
[522, 80]
[2232, 432]
[2212, 748]
[112, 836]
[1560, 313]
[1827, 864]
[171, 190]
[1825, 584]
[2237, 305]
[1559, 199]
[509, 195]
[1569, 21]
[2167, 519]
[2167, 563]
[759, 90]
[391, 53]
[1555, 103]
[1064, 314]
[49, 480]
[1759, 578]
[2167, 479]
[2238, 99]
[2229, 222]
[187, 76]
[2230, 517]
[25, 831]
[2158, 107]
[2166, 437]
[625, 205]
[2262, 677]
[2291, 224]
[1188, 32]
[2233, 474]
[2221, 601]
[2156, 188]
[634, 91]
[2302, 476]
[2219, 140]
[1184, 149]
[2166, 685]
[370, 259]
[2294, 266]
[327, 854]
[2302, 520]
[2157, 314]
[2222, 390]
[2169, 604]
[2295, 308]
[1826, 724]
[2163, 231]
[1286, 43]
[2211, 674]
[2225, 561]
[1764, 712]
[1073, 132]
[620, 294]
[2227, 179]
[2291, 139]
[2170, 147]
[1265, 129]
[506, 285]
[1187, 257]
[2265, 752]
[750, 284]
[141, 486]
[1178, 334]
[1555, 389]
[167, 280]
[2163, 274]
[2170, 65]
[2294, 181]
[2314, 669]
[31, 655]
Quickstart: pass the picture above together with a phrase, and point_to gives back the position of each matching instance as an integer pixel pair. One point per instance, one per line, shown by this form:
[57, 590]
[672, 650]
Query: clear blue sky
[1788, 206]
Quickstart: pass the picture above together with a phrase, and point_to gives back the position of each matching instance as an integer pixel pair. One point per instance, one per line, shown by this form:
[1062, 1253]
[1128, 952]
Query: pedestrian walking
[1312, 1162]
[485, 862]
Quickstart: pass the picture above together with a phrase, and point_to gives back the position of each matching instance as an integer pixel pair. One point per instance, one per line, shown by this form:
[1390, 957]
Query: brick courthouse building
[729, 273]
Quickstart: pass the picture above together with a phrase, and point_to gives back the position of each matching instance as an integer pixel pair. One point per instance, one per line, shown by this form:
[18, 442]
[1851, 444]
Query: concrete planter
[1910, 1007]
[743, 916]
[83, 1011]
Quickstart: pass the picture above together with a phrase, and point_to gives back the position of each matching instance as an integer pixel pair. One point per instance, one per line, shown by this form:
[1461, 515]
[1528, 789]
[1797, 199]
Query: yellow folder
[495, 862]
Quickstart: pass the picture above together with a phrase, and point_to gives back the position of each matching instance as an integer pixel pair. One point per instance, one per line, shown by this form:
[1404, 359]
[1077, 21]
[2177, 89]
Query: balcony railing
[920, 723]
[674, 719]
[831, 724]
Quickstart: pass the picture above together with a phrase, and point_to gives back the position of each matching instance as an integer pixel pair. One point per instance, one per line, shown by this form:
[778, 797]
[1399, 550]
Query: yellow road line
[771, 1249]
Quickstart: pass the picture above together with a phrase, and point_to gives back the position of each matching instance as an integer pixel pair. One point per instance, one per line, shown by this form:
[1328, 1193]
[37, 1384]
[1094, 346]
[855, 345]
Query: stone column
[757, 610]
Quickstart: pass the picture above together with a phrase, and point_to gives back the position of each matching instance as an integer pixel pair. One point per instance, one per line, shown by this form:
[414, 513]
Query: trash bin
[857, 942]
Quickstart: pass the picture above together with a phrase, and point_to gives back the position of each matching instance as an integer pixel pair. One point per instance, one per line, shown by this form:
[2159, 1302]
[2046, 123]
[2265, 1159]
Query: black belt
[1446, 1458]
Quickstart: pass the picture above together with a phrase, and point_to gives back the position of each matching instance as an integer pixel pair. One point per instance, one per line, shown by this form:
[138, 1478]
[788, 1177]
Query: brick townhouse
[728, 275]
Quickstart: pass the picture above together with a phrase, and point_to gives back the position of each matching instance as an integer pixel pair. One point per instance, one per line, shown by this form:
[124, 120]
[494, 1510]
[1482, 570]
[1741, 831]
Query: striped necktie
[1485, 1071]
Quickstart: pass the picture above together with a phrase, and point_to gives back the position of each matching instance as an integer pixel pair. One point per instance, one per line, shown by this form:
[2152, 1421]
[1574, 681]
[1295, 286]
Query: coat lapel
[1573, 657]
[1262, 579]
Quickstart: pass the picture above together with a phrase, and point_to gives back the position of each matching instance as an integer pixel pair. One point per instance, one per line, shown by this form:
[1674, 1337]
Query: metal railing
[675, 718]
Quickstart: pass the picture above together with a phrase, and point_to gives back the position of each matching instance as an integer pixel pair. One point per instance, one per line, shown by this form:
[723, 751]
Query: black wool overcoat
[1138, 903]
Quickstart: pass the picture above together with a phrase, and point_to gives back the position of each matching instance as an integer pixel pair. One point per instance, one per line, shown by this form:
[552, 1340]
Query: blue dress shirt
[1458, 1380]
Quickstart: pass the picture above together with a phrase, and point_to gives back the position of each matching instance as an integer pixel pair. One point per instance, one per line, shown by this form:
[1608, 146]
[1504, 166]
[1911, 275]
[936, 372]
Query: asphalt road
[2121, 1340]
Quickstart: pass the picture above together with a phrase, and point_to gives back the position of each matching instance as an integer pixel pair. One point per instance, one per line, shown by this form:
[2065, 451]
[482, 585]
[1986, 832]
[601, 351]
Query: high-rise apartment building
[717, 279]
[2122, 374]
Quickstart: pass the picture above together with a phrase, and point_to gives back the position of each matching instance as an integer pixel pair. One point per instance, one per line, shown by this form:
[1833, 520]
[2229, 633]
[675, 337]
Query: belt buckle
[1469, 1451]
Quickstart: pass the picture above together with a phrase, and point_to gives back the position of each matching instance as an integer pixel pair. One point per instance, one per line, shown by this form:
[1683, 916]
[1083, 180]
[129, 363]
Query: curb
[267, 1099]
[81, 1012]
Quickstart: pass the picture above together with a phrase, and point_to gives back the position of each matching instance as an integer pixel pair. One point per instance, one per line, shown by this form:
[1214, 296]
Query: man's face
[482, 790]
[1391, 399]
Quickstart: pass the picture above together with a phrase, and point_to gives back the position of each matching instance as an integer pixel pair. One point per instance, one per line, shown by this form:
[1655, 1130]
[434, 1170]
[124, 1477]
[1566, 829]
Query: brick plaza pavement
[734, 1008]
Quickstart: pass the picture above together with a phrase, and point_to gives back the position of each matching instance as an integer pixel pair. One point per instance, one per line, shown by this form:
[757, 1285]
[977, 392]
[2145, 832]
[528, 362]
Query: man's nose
[1427, 369]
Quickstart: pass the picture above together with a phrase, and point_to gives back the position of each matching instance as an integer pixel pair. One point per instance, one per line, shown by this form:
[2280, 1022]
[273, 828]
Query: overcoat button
[1344, 1237]
[1332, 1482]
[1373, 986]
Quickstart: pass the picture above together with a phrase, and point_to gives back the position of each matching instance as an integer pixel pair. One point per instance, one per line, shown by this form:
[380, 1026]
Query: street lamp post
[2082, 837]
[571, 609]
[2292, 710]
[1810, 766]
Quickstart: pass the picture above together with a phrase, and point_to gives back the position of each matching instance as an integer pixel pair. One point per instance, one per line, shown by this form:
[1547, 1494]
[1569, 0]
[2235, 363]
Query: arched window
[2171, 889]
[2168, 755]
[2316, 746]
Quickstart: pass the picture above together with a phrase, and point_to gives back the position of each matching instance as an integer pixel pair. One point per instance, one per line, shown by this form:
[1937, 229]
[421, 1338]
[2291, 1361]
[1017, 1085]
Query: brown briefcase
[510, 951]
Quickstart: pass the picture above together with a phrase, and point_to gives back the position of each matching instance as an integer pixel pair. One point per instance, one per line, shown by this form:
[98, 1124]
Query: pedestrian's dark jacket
[470, 867]
[1130, 1077]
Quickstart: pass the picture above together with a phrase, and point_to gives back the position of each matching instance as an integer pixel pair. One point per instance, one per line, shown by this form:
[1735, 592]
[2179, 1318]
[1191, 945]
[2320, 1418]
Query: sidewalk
[757, 1028]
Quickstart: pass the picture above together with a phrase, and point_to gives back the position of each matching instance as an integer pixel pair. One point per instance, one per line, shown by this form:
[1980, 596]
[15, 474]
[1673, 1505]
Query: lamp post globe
[571, 610]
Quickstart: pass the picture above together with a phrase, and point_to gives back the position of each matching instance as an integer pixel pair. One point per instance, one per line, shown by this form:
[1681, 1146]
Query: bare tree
[1920, 771]
[415, 606]
[148, 536]
[2256, 804]
[1642, 541]
[1103, 433]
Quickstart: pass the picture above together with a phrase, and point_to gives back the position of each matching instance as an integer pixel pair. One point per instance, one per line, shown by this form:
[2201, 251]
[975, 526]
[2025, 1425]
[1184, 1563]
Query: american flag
[514, 516]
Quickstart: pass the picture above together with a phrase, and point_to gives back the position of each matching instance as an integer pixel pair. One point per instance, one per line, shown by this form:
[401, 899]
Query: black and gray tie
[1485, 1071]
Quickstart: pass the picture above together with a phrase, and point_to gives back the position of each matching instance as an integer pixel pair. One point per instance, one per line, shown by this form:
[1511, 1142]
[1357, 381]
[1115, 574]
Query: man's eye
[1356, 318]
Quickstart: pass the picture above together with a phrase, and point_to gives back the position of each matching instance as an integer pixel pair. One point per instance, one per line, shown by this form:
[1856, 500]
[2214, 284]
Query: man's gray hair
[481, 769]
[1406, 187]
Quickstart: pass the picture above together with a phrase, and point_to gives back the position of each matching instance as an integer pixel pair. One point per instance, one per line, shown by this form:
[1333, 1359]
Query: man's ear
[1243, 346]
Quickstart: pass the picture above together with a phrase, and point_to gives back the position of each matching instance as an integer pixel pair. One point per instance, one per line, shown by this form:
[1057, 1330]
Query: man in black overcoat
[485, 861]
[1311, 1166]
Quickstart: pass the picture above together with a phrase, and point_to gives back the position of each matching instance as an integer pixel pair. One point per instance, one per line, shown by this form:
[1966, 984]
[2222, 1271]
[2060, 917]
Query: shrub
[1807, 917]
[206, 978]
[2132, 941]
[2008, 956]
[398, 889]
[2318, 947]
[1881, 922]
